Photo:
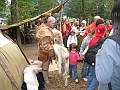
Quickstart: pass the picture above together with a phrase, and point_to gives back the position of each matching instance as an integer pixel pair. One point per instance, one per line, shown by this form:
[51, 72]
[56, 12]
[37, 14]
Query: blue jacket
[84, 44]
[107, 67]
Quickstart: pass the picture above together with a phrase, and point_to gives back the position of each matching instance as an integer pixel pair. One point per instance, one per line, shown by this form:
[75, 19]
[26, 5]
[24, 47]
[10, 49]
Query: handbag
[44, 56]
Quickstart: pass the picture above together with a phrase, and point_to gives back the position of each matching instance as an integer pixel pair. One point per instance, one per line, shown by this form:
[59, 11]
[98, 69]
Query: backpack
[92, 51]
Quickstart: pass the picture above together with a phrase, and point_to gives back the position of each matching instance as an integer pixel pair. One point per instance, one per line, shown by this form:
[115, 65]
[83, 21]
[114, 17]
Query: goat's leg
[59, 64]
[65, 74]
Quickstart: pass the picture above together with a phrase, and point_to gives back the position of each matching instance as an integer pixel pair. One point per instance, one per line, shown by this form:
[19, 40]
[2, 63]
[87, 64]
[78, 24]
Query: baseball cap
[100, 30]
[67, 31]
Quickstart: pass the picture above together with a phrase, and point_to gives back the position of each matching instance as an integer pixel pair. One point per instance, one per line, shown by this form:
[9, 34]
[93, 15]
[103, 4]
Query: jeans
[84, 71]
[92, 81]
[74, 68]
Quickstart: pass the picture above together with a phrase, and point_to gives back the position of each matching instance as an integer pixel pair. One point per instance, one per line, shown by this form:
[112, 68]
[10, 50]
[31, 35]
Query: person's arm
[78, 56]
[83, 45]
[85, 51]
[76, 41]
[68, 41]
[105, 61]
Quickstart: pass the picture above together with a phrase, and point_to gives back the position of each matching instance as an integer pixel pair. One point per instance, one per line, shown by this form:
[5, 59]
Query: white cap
[97, 17]
[84, 22]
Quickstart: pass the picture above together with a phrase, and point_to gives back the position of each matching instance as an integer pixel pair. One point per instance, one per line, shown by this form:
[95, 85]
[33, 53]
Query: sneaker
[84, 79]
[69, 76]
[76, 80]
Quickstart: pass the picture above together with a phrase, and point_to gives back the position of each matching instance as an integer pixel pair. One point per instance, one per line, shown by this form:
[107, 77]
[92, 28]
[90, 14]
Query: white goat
[62, 55]
[63, 61]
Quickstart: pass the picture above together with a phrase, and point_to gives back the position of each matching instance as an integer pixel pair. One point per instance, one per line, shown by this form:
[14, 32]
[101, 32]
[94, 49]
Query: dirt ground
[56, 81]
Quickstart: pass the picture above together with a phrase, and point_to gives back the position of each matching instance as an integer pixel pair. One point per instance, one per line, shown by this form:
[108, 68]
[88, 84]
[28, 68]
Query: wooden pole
[62, 1]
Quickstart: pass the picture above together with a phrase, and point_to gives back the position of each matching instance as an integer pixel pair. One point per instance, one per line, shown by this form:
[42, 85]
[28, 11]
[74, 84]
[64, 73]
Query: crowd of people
[78, 38]
[84, 37]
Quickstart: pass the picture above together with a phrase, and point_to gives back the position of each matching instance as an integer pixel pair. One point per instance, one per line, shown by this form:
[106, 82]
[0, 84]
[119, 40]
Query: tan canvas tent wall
[15, 62]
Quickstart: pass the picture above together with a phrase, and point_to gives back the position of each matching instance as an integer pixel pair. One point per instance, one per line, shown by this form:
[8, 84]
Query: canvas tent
[12, 64]
[12, 60]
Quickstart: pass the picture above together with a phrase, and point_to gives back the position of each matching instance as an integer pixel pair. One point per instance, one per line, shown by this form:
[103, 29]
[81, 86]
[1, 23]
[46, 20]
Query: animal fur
[58, 36]
[30, 75]
[62, 56]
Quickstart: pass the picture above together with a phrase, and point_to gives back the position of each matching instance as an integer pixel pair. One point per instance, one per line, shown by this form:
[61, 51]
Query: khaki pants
[45, 68]
[45, 65]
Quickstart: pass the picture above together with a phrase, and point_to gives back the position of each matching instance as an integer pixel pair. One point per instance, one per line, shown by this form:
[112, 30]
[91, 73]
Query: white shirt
[82, 31]
[71, 39]
[75, 28]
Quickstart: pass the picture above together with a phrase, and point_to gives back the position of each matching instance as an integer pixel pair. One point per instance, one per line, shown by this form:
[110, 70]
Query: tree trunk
[14, 19]
[61, 16]
[83, 9]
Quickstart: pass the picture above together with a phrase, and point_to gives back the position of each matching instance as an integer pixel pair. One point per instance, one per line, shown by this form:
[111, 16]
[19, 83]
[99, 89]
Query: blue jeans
[92, 81]
[84, 71]
[74, 68]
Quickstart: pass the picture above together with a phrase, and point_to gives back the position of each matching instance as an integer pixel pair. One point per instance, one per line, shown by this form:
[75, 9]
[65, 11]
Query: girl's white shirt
[71, 39]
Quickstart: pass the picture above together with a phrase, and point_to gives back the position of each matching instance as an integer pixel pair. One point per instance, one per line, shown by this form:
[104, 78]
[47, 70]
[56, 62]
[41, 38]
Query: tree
[2, 8]
[25, 7]
[32, 8]
[41, 6]
[89, 8]
[14, 19]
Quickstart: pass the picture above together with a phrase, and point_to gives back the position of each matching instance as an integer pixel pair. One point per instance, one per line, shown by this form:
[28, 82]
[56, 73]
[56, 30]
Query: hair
[73, 46]
[115, 17]
[107, 20]
[64, 24]
[99, 21]
[50, 19]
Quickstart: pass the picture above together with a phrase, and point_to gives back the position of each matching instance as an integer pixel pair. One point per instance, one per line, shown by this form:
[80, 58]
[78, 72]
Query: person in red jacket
[99, 33]
[66, 26]
[108, 28]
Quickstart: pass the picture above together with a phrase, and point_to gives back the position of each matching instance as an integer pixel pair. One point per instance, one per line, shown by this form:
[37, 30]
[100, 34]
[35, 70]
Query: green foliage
[41, 6]
[2, 8]
[72, 8]
[91, 8]
[24, 8]
[32, 8]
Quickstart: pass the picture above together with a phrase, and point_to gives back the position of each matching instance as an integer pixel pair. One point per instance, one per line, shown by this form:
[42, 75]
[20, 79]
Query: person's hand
[82, 57]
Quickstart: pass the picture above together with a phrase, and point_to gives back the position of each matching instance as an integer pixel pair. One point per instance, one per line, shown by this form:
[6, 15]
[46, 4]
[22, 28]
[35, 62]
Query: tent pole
[62, 1]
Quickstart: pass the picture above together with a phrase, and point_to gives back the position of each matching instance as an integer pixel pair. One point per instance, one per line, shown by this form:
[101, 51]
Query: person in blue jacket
[107, 67]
